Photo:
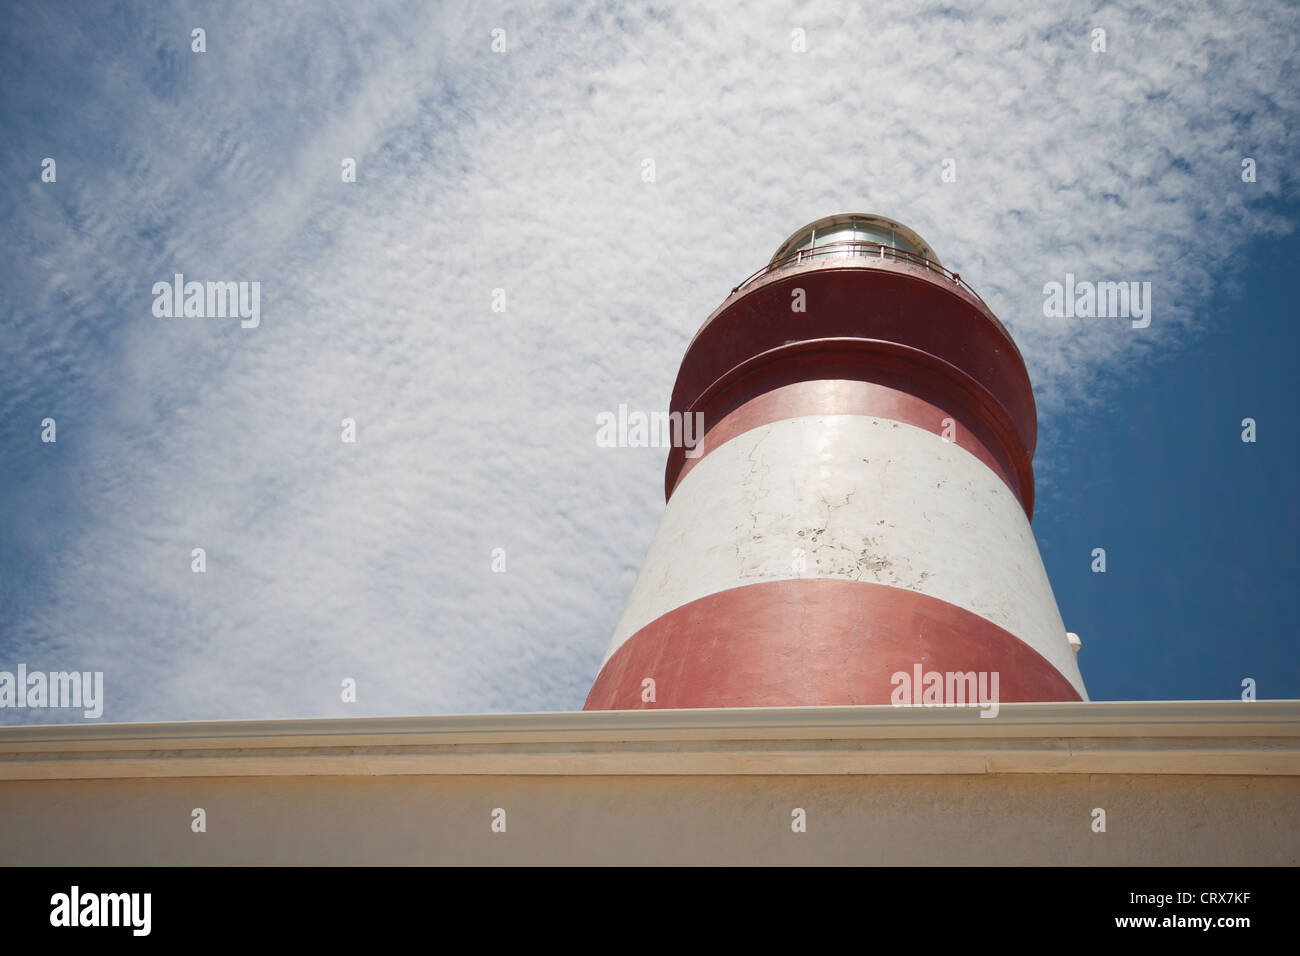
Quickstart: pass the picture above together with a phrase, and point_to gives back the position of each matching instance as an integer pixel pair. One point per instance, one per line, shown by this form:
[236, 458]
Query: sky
[524, 169]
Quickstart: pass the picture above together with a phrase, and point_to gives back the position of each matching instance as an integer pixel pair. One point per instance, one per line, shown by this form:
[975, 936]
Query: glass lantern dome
[850, 234]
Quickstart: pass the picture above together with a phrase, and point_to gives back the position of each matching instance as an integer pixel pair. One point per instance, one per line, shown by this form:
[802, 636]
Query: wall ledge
[1097, 737]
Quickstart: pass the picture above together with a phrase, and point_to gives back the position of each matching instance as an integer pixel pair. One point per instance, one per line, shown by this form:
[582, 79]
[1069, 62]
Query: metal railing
[870, 250]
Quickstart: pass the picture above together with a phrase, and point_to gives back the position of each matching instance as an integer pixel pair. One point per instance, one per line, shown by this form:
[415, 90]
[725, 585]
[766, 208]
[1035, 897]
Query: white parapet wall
[1207, 783]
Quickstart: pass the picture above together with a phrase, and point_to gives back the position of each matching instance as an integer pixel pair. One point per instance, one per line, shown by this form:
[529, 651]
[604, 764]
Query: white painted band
[858, 498]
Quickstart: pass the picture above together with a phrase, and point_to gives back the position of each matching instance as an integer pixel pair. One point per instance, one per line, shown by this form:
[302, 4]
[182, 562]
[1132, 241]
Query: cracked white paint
[864, 499]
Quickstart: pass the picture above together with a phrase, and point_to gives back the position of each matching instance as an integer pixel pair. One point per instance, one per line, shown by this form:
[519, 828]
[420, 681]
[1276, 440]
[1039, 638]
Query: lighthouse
[855, 519]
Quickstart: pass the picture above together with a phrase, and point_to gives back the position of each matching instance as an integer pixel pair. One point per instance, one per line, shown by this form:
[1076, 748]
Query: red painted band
[813, 642]
[844, 397]
[911, 307]
[932, 383]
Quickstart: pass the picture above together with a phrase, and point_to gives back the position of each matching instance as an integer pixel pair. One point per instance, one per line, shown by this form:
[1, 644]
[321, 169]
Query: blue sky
[1199, 527]
[522, 170]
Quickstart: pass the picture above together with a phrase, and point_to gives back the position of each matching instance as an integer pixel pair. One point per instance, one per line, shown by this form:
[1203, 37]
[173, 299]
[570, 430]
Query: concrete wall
[621, 820]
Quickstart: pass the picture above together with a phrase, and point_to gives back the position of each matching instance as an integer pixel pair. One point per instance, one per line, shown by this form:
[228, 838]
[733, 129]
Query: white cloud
[522, 171]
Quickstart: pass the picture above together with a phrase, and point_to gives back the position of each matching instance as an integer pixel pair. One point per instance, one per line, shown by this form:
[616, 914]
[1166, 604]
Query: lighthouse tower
[859, 505]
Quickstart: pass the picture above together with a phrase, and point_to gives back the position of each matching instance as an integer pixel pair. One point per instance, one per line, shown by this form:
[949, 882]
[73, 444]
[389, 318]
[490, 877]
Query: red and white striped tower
[861, 500]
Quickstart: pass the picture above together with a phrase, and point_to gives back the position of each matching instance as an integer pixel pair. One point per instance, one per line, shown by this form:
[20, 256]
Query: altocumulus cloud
[520, 171]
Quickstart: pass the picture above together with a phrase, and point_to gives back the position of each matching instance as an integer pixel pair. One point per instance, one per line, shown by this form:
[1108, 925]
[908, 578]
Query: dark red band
[886, 301]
